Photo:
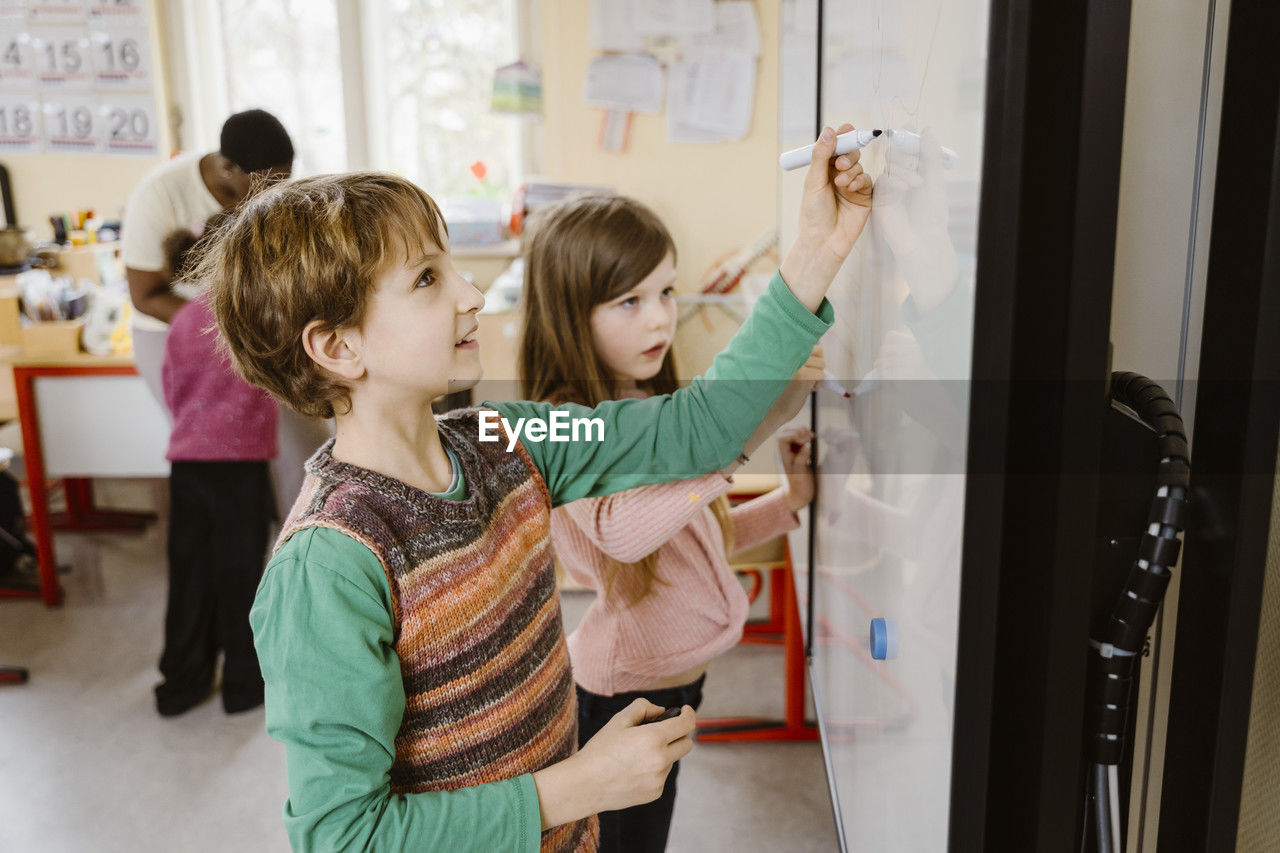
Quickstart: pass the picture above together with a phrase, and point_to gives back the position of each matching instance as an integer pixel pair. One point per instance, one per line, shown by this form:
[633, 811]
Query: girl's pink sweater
[217, 416]
[700, 610]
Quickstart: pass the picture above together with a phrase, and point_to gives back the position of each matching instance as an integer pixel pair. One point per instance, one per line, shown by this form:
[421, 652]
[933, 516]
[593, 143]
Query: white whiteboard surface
[891, 492]
[101, 426]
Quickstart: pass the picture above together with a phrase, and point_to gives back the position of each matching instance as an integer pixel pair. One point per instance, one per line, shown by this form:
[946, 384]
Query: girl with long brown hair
[600, 316]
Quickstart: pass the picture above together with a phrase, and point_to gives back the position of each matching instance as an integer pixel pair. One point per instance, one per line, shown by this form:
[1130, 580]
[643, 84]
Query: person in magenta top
[600, 317]
[221, 508]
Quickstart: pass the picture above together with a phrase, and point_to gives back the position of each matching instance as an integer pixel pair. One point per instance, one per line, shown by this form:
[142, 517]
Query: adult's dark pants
[643, 828]
[220, 519]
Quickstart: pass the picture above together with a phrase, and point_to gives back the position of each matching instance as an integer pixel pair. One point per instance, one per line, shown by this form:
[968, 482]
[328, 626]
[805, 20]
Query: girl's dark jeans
[644, 828]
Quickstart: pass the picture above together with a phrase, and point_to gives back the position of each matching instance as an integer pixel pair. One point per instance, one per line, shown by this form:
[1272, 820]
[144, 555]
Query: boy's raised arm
[704, 427]
[680, 436]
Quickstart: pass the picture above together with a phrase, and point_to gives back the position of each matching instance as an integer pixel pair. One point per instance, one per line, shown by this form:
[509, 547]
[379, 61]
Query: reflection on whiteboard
[887, 531]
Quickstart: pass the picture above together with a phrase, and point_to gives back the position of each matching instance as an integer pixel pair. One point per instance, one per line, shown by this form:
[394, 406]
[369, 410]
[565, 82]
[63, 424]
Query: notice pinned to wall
[627, 83]
[736, 28]
[711, 98]
[702, 53]
[675, 17]
[76, 76]
[614, 25]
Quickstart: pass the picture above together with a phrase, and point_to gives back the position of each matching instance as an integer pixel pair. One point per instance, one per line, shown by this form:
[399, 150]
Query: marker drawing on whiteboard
[845, 142]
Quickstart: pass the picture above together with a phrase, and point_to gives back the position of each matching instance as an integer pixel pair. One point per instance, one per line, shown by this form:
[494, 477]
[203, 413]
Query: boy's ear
[335, 350]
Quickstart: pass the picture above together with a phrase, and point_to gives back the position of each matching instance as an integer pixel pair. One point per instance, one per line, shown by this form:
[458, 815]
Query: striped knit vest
[481, 643]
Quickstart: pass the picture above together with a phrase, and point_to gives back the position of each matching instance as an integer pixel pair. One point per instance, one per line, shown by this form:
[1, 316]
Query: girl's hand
[833, 211]
[796, 447]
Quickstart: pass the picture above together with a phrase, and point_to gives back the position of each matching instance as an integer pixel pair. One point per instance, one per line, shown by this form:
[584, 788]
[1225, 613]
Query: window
[402, 85]
[435, 77]
[282, 56]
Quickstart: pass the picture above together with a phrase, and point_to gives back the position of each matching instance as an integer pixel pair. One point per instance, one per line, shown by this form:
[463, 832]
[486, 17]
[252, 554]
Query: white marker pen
[845, 142]
[909, 143]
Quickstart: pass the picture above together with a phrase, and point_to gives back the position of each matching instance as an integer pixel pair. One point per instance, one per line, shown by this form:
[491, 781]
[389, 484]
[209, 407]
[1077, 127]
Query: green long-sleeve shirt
[324, 630]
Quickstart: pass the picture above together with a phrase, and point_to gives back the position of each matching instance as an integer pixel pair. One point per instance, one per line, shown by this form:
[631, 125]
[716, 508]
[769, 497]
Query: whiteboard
[887, 526]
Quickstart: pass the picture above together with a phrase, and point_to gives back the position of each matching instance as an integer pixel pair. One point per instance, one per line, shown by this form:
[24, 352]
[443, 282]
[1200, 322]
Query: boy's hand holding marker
[624, 765]
[833, 212]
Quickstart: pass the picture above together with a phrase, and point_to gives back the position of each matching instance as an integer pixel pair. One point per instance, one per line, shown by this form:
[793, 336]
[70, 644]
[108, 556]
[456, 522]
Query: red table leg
[81, 513]
[37, 486]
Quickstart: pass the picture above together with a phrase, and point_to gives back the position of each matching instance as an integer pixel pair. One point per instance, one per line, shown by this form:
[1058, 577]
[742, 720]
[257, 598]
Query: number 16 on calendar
[121, 56]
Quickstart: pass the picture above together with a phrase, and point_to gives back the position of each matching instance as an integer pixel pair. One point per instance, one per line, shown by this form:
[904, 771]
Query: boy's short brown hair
[310, 249]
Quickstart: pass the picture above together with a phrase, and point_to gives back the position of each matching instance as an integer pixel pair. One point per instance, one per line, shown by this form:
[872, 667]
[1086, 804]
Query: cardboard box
[10, 322]
[84, 261]
[53, 339]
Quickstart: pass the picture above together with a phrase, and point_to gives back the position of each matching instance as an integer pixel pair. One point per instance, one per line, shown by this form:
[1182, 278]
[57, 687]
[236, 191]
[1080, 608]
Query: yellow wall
[45, 184]
[714, 198]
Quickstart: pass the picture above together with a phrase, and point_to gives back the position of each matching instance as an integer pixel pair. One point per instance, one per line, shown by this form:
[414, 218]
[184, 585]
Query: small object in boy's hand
[665, 715]
[796, 447]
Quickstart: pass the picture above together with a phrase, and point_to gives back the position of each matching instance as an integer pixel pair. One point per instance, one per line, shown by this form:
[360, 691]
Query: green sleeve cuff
[814, 321]
[529, 809]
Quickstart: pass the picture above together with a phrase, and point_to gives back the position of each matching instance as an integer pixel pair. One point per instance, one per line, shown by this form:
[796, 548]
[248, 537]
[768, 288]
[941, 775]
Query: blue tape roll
[879, 639]
[884, 639]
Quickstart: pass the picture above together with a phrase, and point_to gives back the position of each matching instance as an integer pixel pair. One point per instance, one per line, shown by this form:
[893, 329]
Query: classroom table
[83, 416]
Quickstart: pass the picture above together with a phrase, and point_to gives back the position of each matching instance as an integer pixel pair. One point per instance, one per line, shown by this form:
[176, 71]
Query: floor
[87, 765]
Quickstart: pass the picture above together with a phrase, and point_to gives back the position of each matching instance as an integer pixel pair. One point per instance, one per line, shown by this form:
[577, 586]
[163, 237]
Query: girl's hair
[579, 254]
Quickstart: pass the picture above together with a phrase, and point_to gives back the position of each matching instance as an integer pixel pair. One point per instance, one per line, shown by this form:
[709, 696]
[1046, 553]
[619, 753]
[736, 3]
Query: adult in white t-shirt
[184, 193]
